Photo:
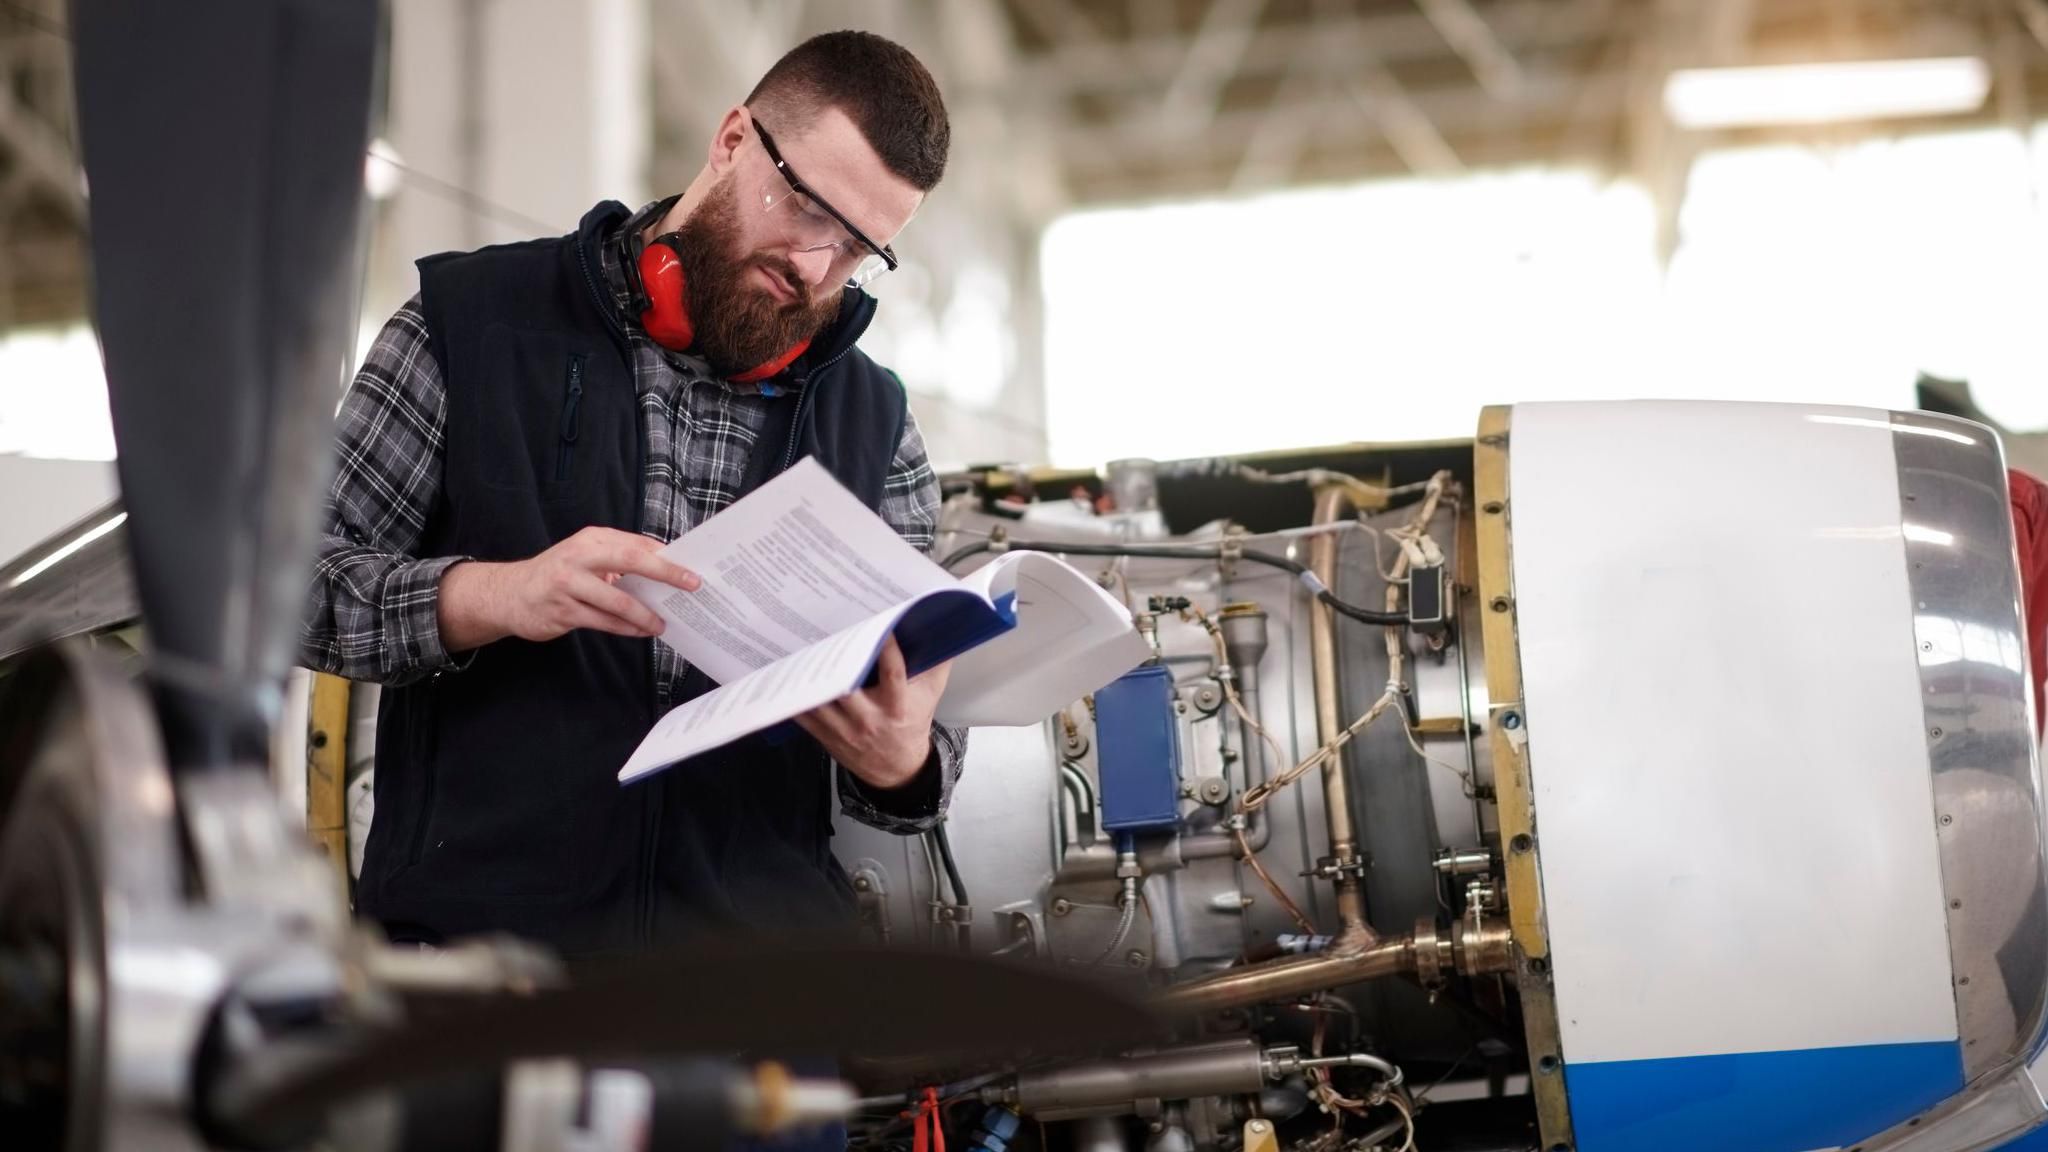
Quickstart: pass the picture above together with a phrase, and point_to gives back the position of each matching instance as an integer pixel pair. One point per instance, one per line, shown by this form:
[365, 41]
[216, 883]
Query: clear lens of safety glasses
[865, 271]
[811, 228]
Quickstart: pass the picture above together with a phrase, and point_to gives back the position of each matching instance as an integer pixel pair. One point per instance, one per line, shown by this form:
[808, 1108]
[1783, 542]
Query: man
[535, 423]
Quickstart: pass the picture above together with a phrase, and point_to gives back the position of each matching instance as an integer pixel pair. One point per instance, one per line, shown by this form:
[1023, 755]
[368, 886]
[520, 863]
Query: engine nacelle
[1698, 807]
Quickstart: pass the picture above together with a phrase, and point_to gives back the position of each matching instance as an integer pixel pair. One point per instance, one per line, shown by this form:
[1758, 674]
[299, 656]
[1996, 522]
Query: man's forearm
[469, 599]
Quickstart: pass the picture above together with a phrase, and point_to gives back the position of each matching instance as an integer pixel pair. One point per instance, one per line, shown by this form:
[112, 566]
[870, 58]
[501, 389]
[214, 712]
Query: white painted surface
[40, 497]
[1731, 786]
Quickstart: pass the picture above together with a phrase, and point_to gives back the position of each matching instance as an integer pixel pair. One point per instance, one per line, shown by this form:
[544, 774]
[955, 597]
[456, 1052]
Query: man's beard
[738, 325]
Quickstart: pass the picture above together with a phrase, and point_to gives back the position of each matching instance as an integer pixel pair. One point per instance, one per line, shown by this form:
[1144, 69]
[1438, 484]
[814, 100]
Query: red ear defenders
[654, 272]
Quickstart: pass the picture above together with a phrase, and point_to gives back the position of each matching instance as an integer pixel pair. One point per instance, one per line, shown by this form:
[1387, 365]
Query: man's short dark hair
[880, 86]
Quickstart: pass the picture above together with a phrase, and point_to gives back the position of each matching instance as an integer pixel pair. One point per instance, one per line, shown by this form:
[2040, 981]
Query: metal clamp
[1333, 867]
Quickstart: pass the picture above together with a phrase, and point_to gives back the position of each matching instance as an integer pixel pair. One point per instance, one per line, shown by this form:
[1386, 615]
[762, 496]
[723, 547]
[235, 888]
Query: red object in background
[2030, 532]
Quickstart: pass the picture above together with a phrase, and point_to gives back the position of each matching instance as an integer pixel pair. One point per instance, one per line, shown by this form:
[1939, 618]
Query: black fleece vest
[498, 806]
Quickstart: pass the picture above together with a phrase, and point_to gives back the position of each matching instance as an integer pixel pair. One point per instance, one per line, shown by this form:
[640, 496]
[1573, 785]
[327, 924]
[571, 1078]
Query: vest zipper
[796, 422]
[572, 399]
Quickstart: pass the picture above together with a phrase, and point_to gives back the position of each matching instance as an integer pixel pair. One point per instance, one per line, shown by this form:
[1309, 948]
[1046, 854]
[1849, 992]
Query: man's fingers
[860, 712]
[581, 615]
[890, 675]
[827, 724]
[644, 562]
[613, 601]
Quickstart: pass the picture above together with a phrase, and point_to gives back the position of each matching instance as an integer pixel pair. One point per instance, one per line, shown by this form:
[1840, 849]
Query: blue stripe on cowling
[1758, 1101]
[2035, 1141]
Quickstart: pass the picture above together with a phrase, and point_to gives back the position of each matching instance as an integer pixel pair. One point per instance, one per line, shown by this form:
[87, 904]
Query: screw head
[1499, 604]
[861, 884]
[1061, 907]
[1135, 959]
[1947, 820]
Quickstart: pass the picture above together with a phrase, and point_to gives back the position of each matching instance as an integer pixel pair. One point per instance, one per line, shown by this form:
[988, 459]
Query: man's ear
[733, 129]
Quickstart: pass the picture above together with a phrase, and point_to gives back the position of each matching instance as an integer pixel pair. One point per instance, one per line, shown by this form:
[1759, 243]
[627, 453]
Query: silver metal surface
[1139, 1082]
[1989, 816]
[161, 951]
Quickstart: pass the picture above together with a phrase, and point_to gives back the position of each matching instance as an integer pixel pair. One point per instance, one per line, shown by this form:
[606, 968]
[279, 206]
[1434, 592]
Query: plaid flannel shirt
[374, 604]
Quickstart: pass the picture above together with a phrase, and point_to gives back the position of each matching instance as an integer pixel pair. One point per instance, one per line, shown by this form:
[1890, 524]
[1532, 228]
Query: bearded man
[534, 424]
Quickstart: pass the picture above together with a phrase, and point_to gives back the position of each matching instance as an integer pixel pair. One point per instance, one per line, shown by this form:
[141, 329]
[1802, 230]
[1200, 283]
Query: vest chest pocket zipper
[572, 401]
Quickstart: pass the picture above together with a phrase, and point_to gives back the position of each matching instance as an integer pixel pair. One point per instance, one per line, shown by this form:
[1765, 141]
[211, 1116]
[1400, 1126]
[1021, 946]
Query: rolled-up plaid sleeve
[910, 505]
[373, 609]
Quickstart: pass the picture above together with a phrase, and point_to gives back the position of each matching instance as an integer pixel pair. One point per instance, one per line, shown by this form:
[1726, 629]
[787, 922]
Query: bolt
[1500, 604]
[1947, 820]
[1521, 843]
[1927, 645]
[1511, 721]
[1547, 1065]
[1061, 907]
[861, 884]
[1935, 732]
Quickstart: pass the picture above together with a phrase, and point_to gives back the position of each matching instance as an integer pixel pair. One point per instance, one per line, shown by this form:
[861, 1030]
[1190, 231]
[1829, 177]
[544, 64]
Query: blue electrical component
[993, 1134]
[1137, 744]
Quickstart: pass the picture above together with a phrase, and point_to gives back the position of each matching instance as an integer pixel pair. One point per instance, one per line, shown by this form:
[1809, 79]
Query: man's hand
[571, 585]
[882, 734]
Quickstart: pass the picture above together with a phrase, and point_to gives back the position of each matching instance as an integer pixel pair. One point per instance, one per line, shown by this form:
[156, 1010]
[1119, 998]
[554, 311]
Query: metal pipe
[1073, 780]
[1107, 1087]
[1350, 959]
[1331, 503]
[1243, 631]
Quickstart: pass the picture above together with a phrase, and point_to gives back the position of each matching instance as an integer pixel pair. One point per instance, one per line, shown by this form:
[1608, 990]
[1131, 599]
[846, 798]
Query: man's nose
[813, 265]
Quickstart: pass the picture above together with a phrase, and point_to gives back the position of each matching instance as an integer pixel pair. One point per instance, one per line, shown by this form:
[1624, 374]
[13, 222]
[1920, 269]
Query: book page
[1070, 638]
[783, 568]
[783, 690]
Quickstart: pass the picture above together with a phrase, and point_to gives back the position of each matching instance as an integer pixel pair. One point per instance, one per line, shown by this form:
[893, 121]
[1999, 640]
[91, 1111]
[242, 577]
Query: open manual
[803, 584]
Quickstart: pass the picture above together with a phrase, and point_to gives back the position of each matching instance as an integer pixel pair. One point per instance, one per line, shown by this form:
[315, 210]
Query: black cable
[967, 552]
[1300, 570]
[952, 869]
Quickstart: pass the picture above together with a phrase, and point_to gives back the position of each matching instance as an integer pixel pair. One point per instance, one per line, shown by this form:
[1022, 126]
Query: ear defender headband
[654, 273]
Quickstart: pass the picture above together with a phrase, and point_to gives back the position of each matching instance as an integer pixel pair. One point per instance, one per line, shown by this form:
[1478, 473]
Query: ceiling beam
[42, 154]
[1408, 129]
[1339, 120]
[1151, 62]
[1219, 44]
[1473, 40]
[1059, 22]
[2035, 14]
